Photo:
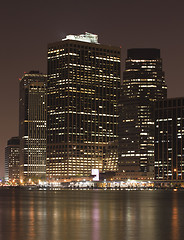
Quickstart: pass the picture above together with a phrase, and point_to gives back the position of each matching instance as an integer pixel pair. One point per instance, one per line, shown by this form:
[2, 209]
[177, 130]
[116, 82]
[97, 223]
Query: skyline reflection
[93, 215]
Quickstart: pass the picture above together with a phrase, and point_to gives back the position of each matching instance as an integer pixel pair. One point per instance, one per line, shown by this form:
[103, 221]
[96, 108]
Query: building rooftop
[86, 37]
[143, 53]
[13, 141]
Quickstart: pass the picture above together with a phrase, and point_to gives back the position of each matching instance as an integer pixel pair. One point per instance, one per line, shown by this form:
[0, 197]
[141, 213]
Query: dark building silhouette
[12, 159]
[169, 139]
[32, 125]
[143, 84]
[82, 96]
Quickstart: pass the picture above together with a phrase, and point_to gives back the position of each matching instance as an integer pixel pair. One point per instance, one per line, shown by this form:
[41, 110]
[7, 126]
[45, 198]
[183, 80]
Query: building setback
[82, 118]
[169, 139]
[143, 84]
[32, 125]
[12, 159]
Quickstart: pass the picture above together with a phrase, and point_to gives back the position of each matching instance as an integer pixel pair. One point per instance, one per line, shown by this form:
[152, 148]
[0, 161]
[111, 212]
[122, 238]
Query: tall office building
[82, 96]
[143, 84]
[32, 125]
[169, 139]
[12, 159]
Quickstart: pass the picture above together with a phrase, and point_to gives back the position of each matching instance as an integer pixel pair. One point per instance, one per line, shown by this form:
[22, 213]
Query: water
[91, 215]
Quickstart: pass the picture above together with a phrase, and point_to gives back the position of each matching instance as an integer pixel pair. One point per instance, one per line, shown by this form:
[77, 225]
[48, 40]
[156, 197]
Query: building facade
[12, 159]
[32, 125]
[82, 96]
[169, 139]
[143, 84]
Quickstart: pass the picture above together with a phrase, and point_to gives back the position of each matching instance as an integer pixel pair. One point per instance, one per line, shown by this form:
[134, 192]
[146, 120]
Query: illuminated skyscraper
[32, 125]
[12, 159]
[82, 95]
[143, 84]
[169, 139]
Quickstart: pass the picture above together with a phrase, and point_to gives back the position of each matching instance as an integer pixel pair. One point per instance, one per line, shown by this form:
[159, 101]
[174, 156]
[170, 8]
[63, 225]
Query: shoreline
[38, 188]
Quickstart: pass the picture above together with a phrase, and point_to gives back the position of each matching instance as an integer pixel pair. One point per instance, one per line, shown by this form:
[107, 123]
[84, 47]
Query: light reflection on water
[91, 215]
[175, 224]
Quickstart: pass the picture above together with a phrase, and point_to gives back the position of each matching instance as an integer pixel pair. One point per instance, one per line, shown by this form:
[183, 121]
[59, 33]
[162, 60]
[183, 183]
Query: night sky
[28, 26]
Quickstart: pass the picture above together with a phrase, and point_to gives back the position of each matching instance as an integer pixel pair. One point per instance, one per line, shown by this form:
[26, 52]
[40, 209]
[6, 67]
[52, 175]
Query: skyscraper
[169, 139]
[12, 159]
[143, 84]
[82, 96]
[32, 125]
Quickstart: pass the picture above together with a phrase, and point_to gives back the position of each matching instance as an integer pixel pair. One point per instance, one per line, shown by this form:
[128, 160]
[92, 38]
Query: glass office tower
[82, 96]
[143, 84]
[169, 139]
[32, 125]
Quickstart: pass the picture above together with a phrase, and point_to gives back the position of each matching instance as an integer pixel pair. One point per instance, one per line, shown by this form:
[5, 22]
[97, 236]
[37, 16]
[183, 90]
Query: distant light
[95, 173]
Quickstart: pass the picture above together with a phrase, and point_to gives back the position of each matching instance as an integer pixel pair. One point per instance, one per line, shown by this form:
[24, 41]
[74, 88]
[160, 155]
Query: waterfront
[91, 215]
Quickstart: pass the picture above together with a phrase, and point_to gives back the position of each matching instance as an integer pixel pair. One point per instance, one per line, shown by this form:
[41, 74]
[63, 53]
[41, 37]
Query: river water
[91, 215]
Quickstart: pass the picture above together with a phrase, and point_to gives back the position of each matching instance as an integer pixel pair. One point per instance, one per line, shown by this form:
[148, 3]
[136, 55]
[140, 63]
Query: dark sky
[28, 26]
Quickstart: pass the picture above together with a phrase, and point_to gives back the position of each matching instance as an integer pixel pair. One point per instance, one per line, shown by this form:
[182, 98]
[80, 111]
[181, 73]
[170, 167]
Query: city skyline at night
[92, 120]
[27, 29]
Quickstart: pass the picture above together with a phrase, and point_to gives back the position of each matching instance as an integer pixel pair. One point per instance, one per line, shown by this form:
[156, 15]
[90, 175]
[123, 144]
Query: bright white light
[87, 37]
[95, 173]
